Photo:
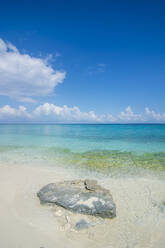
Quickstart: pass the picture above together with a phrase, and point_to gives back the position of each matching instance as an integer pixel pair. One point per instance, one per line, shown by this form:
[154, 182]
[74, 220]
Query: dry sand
[24, 223]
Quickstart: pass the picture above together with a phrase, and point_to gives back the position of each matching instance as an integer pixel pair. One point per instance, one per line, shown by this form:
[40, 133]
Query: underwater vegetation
[94, 160]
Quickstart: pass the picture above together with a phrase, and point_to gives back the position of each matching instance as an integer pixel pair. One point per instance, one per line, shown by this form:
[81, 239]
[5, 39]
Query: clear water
[127, 159]
[95, 147]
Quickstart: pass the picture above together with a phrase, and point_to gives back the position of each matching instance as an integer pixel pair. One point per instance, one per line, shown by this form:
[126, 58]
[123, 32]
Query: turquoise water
[96, 147]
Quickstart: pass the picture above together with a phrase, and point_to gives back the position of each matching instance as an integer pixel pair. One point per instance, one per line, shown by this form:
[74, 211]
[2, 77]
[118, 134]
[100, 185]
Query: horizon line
[82, 123]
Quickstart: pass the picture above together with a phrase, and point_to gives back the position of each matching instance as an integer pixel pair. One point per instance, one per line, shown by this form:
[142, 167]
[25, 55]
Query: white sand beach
[140, 220]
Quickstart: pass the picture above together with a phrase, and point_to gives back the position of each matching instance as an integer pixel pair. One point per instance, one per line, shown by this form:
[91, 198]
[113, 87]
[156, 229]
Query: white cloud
[8, 113]
[154, 116]
[98, 68]
[107, 118]
[23, 76]
[48, 112]
[129, 116]
[101, 67]
[27, 99]
[63, 114]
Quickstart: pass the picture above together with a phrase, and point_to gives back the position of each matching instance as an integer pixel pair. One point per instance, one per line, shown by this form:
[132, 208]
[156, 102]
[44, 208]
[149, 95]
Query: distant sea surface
[102, 148]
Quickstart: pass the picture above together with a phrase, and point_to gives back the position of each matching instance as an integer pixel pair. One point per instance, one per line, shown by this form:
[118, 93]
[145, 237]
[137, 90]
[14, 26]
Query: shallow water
[100, 148]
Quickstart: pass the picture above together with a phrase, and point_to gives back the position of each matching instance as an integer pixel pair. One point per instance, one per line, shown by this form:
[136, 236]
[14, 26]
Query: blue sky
[82, 61]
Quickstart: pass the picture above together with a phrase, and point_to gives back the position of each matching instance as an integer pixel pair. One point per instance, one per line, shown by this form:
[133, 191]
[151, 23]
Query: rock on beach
[79, 196]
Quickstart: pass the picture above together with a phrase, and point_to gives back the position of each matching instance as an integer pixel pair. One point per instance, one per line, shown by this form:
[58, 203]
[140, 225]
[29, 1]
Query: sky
[95, 61]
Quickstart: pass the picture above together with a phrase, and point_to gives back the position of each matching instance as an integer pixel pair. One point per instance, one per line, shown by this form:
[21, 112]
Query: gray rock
[81, 225]
[85, 197]
[91, 184]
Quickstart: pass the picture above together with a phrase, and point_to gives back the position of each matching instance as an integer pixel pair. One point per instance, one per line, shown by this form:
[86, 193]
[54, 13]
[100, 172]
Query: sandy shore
[24, 223]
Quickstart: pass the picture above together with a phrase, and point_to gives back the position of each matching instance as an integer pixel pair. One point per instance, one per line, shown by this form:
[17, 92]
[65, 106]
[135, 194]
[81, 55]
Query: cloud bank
[23, 76]
[63, 114]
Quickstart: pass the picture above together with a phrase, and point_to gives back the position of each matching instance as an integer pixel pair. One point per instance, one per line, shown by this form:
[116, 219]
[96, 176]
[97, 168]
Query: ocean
[101, 148]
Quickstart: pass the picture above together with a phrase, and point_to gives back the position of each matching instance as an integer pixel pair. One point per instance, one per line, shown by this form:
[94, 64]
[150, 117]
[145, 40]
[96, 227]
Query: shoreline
[25, 223]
